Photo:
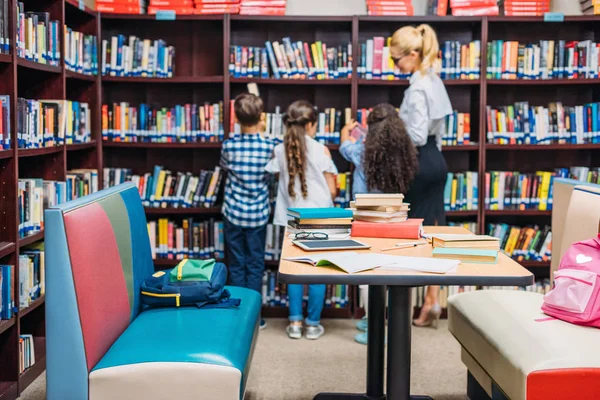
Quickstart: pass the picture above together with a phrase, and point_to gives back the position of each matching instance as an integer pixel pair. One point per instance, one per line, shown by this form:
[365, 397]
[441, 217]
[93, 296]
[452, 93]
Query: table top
[506, 272]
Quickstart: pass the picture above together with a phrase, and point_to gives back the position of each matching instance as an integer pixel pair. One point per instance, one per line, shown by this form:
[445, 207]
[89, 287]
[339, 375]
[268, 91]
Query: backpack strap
[225, 301]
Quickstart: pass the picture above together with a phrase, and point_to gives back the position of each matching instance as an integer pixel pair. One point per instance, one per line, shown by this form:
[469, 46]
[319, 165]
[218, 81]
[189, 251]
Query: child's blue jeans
[245, 255]
[316, 300]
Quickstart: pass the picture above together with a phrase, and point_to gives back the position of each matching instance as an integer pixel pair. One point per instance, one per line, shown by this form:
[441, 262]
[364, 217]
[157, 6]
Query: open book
[352, 262]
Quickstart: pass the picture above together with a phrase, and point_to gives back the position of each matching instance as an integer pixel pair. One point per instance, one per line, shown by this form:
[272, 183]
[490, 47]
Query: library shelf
[462, 213]
[35, 304]
[139, 145]
[40, 152]
[519, 212]
[21, 62]
[283, 312]
[6, 324]
[85, 9]
[5, 58]
[27, 240]
[175, 79]
[80, 77]
[405, 82]
[542, 82]
[81, 146]
[182, 211]
[6, 248]
[463, 147]
[542, 147]
[6, 153]
[8, 390]
[535, 264]
[307, 82]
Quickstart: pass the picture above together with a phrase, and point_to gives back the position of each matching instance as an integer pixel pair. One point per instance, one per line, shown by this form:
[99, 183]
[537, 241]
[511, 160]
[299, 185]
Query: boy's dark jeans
[245, 249]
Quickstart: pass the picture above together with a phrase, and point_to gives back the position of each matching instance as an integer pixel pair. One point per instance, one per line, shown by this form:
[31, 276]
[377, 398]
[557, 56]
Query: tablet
[320, 245]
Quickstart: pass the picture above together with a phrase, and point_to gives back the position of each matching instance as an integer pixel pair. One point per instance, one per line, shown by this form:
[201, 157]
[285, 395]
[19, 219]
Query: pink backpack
[575, 297]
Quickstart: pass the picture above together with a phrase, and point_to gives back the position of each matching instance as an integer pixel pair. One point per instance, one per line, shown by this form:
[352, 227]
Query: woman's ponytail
[421, 39]
[299, 114]
[430, 47]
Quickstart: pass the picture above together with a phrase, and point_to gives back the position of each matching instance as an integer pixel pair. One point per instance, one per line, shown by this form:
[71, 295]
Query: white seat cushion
[498, 328]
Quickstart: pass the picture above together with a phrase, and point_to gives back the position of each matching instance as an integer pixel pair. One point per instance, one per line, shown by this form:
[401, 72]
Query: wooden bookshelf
[201, 75]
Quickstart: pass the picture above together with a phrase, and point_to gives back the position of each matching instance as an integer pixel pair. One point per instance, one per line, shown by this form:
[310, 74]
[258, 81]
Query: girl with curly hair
[306, 179]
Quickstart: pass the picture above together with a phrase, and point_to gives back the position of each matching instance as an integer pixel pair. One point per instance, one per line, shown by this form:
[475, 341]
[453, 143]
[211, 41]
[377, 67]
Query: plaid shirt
[246, 190]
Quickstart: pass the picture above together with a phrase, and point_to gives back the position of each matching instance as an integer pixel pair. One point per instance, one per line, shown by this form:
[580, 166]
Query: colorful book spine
[165, 189]
[273, 242]
[188, 123]
[5, 44]
[344, 190]
[513, 190]
[7, 289]
[34, 196]
[275, 294]
[38, 38]
[81, 52]
[5, 131]
[134, 57]
[188, 238]
[461, 192]
[26, 352]
[529, 243]
[469, 225]
[545, 59]
[31, 276]
[457, 131]
[291, 60]
[555, 124]
[81, 182]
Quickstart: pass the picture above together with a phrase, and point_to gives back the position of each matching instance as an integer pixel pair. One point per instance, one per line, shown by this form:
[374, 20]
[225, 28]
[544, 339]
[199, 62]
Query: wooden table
[506, 272]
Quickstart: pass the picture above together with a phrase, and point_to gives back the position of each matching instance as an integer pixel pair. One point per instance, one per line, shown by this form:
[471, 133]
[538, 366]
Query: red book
[263, 3]
[472, 3]
[171, 3]
[475, 11]
[412, 228]
[178, 10]
[262, 10]
[394, 13]
[118, 9]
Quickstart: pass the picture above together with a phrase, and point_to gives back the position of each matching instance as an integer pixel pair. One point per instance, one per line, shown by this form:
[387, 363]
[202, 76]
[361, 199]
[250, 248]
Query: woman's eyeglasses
[311, 236]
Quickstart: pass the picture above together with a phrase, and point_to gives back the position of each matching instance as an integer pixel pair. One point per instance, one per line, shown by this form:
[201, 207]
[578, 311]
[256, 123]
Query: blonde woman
[426, 103]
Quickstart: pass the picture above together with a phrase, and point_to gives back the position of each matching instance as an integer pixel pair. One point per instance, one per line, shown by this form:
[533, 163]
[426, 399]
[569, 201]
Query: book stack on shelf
[136, 57]
[526, 8]
[529, 243]
[38, 38]
[4, 27]
[274, 294]
[262, 7]
[590, 7]
[81, 52]
[166, 189]
[583, 174]
[7, 291]
[513, 190]
[32, 276]
[437, 7]
[466, 248]
[187, 123]
[122, 6]
[390, 7]
[188, 238]
[458, 129]
[204, 7]
[179, 7]
[34, 196]
[545, 59]
[26, 351]
[461, 192]
[5, 131]
[291, 60]
[375, 61]
[470, 8]
[333, 222]
[81, 182]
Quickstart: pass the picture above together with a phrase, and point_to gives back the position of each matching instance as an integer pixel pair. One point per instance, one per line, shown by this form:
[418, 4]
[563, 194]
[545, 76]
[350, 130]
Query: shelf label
[554, 17]
[165, 15]
[81, 5]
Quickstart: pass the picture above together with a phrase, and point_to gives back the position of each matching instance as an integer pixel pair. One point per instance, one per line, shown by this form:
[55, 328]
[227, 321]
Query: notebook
[467, 255]
[348, 261]
[483, 242]
[319, 213]
[379, 199]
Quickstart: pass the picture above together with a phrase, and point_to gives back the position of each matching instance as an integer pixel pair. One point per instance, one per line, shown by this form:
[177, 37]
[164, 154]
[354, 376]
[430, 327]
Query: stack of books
[590, 7]
[217, 6]
[465, 8]
[333, 221]
[189, 238]
[390, 7]
[262, 7]
[179, 7]
[121, 6]
[384, 216]
[437, 7]
[467, 248]
[529, 8]
[458, 129]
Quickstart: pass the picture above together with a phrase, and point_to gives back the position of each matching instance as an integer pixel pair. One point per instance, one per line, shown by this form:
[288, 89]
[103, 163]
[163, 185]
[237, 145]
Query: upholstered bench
[511, 355]
[101, 345]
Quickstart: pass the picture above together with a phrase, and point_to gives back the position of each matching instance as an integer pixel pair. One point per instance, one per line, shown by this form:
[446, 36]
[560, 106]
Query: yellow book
[40, 36]
[550, 57]
[545, 188]
[347, 115]
[160, 185]
[315, 56]
[322, 68]
[512, 240]
[453, 194]
[496, 190]
[332, 120]
[213, 183]
[391, 66]
[469, 190]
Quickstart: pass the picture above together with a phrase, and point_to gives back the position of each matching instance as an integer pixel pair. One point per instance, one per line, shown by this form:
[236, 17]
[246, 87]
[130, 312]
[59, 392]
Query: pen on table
[404, 246]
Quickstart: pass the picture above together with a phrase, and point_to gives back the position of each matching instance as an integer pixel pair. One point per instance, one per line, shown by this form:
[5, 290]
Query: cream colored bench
[508, 353]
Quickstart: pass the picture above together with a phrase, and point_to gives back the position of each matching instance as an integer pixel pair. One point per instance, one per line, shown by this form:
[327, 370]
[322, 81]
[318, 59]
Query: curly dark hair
[390, 157]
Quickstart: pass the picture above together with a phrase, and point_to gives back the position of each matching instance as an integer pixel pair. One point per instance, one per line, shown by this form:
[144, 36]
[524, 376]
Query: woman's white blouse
[424, 107]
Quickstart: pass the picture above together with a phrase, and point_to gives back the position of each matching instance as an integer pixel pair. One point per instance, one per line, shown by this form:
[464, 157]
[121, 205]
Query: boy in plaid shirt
[246, 203]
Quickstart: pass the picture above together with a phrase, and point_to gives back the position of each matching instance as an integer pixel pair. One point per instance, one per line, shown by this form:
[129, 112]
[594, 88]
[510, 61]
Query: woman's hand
[345, 134]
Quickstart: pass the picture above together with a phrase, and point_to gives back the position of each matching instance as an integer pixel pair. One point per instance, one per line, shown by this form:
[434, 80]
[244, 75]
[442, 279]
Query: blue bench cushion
[222, 337]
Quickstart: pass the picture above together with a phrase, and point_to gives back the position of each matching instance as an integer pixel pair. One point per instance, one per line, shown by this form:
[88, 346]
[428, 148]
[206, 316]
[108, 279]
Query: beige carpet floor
[285, 369]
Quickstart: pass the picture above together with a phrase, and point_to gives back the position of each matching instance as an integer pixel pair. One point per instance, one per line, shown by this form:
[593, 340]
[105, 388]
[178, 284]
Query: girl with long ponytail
[306, 179]
[424, 107]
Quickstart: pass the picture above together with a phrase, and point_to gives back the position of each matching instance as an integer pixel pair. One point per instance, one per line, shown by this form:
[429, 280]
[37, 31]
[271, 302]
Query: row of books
[188, 123]
[81, 52]
[469, 8]
[583, 174]
[7, 291]
[163, 188]
[526, 8]
[135, 57]
[4, 27]
[291, 60]
[545, 59]
[201, 7]
[274, 294]
[47, 123]
[461, 192]
[471, 226]
[512, 190]
[32, 281]
[390, 7]
[529, 243]
[458, 129]
[26, 352]
[522, 123]
[176, 240]
[5, 142]
[122, 6]
[343, 184]
[38, 38]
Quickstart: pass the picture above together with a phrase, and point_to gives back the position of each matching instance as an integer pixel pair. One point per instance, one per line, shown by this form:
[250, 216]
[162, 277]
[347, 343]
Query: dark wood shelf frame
[143, 145]
[81, 146]
[542, 82]
[81, 77]
[175, 79]
[183, 211]
[542, 147]
[7, 153]
[535, 264]
[32, 307]
[27, 240]
[519, 212]
[40, 152]
[6, 324]
[8, 390]
[6, 249]
[21, 62]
